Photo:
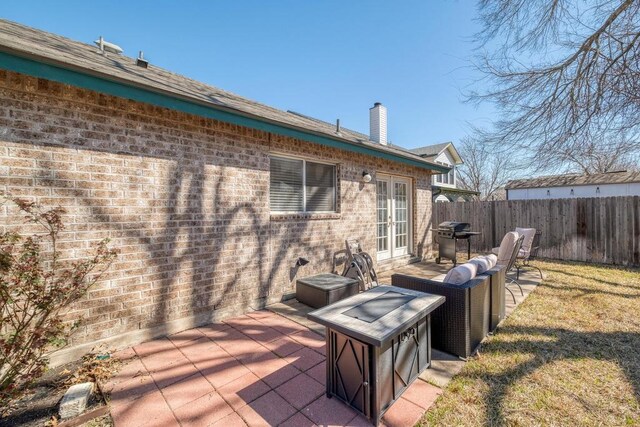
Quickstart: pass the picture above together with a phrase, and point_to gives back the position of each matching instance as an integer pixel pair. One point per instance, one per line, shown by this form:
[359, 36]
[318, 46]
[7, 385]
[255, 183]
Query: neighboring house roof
[618, 177]
[430, 152]
[50, 56]
[453, 191]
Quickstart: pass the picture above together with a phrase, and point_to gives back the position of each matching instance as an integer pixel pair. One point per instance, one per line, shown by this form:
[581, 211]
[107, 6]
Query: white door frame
[392, 250]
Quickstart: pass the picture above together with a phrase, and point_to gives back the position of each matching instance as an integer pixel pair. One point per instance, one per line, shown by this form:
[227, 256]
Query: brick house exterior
[185, 199]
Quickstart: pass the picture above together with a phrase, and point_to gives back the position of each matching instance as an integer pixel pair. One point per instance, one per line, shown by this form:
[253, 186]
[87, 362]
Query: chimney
[378, 123]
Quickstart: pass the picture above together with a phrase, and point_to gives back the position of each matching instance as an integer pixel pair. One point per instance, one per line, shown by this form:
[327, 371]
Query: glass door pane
[382, 219]
[401, 218]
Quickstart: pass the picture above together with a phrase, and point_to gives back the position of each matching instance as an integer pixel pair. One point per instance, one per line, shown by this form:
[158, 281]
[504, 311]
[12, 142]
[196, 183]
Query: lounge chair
[507, 255]
[529, 250]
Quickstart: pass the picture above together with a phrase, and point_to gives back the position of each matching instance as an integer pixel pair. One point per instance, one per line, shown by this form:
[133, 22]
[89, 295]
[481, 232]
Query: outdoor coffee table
[378, 342]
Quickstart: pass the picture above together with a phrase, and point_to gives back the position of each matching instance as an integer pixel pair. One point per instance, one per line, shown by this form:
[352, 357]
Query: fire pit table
[378, 342]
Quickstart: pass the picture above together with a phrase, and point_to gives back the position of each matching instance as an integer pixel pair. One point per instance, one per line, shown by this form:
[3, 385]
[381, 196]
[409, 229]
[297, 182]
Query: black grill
[451, 229]
[449, 232]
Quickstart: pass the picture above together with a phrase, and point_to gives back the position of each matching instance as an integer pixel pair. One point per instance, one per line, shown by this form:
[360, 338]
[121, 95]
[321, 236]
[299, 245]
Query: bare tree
[564, 74]
[598, 156]
[484, 170]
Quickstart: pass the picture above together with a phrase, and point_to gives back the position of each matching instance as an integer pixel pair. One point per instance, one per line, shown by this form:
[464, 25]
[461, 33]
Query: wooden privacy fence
[602, 229]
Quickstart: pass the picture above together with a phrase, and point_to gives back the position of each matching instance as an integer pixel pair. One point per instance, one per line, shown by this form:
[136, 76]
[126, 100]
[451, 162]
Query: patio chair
[507, 255]
[359, 266]
[524, 260]
[529, 250]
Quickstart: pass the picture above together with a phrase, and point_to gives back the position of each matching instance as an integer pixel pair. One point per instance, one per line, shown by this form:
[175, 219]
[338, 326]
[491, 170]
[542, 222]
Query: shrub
[36, 286]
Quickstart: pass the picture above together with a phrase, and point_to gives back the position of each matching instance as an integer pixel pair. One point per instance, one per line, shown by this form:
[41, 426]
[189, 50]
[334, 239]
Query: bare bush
[36, 286]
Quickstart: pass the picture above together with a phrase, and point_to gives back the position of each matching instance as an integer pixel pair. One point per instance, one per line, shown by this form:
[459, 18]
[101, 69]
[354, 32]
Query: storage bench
[324, 289]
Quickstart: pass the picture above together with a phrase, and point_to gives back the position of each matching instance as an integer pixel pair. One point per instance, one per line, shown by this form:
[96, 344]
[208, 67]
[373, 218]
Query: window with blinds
[302, 186]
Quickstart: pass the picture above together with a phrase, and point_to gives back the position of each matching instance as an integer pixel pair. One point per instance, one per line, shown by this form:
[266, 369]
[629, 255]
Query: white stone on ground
[74, 401]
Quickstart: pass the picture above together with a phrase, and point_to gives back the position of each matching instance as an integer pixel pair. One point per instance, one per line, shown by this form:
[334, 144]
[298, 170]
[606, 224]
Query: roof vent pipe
[101, 44]
[338, 126]
[106, 46]
[141, 62]
[378, 123]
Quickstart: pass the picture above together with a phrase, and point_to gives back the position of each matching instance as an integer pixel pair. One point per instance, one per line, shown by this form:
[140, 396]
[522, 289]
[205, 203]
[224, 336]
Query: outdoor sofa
[461, 323]
[497, 280]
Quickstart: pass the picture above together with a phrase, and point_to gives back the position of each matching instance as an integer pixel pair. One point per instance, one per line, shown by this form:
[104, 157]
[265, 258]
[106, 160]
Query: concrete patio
[263, 368]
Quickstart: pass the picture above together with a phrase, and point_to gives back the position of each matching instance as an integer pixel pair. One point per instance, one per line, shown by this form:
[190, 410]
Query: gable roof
[38, 53]
[430, 152]
[617, 177]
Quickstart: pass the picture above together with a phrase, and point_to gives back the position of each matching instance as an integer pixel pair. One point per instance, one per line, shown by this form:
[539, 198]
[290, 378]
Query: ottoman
[324, 289]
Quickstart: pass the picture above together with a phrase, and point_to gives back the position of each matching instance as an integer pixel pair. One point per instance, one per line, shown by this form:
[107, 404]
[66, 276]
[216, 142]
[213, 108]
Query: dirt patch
[37, 406]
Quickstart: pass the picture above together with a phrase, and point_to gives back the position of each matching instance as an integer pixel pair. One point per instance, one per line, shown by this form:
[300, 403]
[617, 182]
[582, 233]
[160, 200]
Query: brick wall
[185, 200]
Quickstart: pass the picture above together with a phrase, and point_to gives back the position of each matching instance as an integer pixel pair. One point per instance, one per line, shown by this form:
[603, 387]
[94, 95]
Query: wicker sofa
[497, 283]
[461, 323]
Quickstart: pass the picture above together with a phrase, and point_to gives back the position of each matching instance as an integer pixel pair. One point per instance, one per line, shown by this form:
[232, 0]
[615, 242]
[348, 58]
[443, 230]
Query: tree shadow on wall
[201, 249]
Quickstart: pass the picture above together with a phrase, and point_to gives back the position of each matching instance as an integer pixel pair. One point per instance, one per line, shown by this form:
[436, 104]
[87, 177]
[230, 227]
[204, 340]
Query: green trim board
[34, 68]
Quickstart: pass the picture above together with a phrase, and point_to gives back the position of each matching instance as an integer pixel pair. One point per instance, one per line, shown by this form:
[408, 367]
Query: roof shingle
[618, 177]
[60, 51]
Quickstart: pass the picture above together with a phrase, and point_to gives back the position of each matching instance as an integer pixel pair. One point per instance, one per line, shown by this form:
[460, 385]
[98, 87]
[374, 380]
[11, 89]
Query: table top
[384, 328]
[327, 281]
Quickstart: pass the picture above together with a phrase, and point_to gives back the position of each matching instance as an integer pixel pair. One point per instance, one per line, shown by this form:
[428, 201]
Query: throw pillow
[460, 274]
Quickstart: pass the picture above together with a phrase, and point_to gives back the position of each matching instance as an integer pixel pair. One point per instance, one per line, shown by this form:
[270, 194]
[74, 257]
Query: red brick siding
[185, 200]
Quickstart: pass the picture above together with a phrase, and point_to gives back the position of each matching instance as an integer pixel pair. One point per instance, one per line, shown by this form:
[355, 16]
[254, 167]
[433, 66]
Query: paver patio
[257, 369]
[263, 368]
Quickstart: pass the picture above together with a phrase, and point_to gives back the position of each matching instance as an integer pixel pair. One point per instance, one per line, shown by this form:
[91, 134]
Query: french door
[393, 216]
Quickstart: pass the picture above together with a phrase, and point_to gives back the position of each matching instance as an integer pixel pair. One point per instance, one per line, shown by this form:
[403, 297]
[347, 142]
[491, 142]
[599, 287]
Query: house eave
[436, 189]
[36, 66]
[582, 184]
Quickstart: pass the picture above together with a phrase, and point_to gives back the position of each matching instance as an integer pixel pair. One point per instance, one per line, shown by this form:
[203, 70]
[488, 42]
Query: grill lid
[454, 226]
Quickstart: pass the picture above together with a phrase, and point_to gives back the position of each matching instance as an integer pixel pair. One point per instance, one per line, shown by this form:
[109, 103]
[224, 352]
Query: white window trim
[304, 183]
[449, 176]
[390, 178]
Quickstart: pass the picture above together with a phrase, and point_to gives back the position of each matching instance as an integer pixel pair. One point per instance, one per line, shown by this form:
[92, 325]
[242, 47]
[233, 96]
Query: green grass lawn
[569, 355]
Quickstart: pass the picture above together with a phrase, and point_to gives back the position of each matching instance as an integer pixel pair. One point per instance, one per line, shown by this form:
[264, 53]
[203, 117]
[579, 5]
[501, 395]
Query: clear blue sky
[327, 59]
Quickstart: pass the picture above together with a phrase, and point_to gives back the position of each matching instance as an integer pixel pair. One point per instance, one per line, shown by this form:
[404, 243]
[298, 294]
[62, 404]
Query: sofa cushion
[482, 264]
[460, 274]
[493, 259]
[506, 247]
[529, 234]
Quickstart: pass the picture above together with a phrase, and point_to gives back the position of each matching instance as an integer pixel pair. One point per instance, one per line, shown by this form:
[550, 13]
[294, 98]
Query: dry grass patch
[569, 355]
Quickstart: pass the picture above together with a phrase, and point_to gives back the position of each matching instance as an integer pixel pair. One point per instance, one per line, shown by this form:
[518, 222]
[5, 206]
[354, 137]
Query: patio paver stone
[270, 408]
[203, 411]
[244, 390]
[300, 391]
[186, 391]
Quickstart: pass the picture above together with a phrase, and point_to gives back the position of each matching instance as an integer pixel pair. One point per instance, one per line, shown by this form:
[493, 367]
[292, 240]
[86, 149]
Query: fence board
[603, 230]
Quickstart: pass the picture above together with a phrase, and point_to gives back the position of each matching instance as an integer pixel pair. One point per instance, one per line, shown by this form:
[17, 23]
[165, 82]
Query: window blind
[321, 187]
[301, 186]
[286, 189]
